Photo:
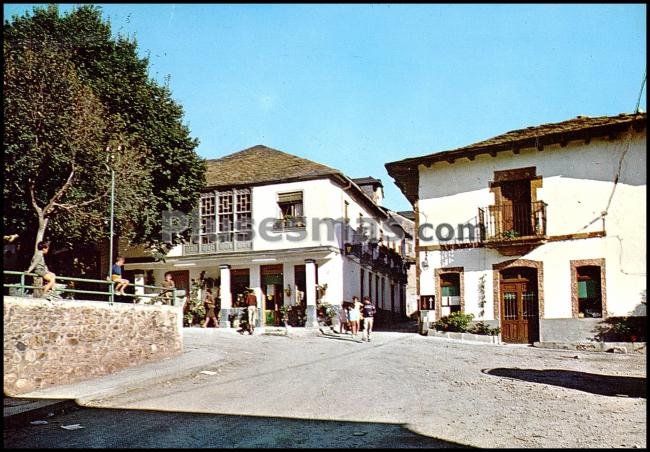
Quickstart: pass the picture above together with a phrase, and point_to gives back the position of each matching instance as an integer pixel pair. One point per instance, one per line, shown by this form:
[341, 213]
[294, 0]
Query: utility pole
[111, 159]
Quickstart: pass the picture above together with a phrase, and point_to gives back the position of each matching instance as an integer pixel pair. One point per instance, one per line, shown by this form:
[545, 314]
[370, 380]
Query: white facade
[576, 182]
[318, 253]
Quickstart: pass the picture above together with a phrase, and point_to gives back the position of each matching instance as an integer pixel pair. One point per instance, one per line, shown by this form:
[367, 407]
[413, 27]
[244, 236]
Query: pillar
[310, 293]
[138, 280]
[226, 296]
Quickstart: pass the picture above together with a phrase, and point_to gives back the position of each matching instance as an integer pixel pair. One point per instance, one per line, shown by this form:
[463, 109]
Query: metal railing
[220, 242]
[289, 223]
[21, 289]
[512, 221]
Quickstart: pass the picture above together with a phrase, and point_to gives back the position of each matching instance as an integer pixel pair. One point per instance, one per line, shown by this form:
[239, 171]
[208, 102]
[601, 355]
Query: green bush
[622, 329]
[484, 328]
[456, 322]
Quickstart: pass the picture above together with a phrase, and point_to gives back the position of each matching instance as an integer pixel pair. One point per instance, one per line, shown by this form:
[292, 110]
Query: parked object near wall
[47, 345]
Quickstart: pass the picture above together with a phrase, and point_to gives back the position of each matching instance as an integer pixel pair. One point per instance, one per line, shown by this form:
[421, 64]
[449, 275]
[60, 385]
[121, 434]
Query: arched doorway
[519, 305]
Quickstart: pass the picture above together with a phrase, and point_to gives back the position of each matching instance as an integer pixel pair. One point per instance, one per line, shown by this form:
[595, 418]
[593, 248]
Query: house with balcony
[540, 231]
[295, 231]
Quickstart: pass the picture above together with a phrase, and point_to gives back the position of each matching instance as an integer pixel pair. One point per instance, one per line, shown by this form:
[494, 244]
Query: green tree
[113, 102]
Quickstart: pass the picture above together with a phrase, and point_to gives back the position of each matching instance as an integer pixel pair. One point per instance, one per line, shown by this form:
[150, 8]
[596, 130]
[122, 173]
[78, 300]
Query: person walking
[39, 267]
[209, 309]
[369, 311]
[343, 318]
[251, 303]
[354, 316]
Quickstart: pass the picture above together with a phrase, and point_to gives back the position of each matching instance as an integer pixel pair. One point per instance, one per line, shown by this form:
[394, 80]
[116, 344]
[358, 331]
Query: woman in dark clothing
[209, 308]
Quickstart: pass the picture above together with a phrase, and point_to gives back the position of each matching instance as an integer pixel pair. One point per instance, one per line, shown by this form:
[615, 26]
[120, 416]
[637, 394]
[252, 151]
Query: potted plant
[195, 310]
[328, 313]
[510, 234]
[321, 289]
[235, 318]
[284, 311]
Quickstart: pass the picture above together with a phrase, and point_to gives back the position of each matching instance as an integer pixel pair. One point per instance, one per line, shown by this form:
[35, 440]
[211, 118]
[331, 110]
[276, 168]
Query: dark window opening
[590, 303]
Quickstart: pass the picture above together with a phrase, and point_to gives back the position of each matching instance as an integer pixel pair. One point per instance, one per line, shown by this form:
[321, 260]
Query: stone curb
[465, 337]
[602, 347]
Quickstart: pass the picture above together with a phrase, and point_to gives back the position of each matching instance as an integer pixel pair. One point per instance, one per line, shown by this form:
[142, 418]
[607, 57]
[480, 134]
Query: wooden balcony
[513, 228]
[223, 242]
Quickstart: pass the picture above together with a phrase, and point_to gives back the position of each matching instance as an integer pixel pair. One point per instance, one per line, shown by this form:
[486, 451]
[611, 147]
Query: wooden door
[181, 279]
[516, 203]
[519, 312]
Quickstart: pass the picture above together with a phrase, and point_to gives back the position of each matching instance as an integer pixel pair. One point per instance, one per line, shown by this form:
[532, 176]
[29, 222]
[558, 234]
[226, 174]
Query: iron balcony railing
[20, 288]
[289, 223]
[504, 222]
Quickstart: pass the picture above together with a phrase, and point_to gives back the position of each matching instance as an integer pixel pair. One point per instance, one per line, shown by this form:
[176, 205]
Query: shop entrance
[239, 283]
[272, 283]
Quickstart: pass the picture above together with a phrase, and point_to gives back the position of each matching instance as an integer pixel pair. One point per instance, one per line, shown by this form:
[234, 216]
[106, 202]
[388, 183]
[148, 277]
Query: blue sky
[356, 86]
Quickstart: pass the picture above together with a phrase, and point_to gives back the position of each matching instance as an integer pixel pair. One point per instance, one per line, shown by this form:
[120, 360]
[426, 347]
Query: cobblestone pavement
[401, 389]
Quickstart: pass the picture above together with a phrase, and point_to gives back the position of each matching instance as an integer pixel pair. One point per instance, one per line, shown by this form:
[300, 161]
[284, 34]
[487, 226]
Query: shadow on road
[387, 322]
[609, 385]
[125, 428]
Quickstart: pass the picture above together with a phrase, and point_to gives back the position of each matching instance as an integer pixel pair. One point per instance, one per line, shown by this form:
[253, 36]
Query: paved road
[400, 389]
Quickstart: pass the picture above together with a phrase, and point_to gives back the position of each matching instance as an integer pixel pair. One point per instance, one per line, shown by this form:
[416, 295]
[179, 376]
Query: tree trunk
[40, 233]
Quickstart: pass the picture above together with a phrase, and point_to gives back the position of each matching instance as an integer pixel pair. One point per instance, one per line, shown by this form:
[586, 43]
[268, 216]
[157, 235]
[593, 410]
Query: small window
[590, 303]
[450, 291]
[291, 210]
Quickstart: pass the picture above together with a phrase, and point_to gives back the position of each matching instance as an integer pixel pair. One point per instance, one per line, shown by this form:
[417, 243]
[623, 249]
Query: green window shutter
[582, 289]
[450, 291]
[592, 289]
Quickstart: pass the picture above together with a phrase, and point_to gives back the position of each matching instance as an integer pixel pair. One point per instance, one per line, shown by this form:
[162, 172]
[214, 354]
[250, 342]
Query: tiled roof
[260, 164]
[405, 172]
[558, 131]
[367, 181]
[407, 214]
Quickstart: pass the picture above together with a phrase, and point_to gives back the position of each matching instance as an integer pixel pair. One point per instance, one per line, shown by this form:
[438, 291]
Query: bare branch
[81, 204]
[61, 191]
[39, 211]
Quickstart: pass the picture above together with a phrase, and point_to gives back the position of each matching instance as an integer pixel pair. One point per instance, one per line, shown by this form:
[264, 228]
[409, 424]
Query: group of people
[39, 268]
[351, 315]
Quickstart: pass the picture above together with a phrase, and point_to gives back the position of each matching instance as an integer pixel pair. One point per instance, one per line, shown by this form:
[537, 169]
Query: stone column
[226, 296]
[310, 293]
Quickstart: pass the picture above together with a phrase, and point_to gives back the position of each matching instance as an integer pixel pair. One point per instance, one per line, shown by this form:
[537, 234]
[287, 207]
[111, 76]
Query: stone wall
[47, 344]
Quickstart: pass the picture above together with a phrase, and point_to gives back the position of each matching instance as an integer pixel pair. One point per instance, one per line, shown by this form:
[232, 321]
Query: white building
[288, 228]
[558, 213]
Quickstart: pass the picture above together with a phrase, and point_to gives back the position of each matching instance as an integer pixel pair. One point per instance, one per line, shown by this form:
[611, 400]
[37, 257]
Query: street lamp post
[111, 158]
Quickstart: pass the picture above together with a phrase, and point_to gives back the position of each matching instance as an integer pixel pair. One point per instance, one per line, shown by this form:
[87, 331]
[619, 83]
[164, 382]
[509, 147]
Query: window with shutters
[589, 291]
[290, 207]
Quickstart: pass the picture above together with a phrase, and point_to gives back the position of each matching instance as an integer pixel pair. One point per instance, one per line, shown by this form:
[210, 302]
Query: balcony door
[516, 208]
